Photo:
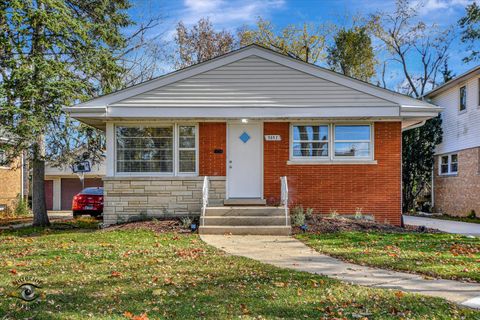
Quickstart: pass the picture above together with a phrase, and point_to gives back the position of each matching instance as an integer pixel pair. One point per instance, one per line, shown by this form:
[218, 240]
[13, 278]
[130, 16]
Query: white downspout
[433, 184]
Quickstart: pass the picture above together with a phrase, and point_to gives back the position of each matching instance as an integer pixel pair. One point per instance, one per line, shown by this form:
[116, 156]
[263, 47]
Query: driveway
[287, 252]
[449, 226]
[64, 214]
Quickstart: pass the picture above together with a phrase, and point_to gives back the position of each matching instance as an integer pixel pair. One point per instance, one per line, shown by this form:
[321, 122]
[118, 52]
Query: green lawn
[120, 274]
[439, 255]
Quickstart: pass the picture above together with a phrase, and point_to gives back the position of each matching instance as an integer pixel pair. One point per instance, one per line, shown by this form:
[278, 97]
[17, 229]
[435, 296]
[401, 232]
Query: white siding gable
[253, 82]
[461, 129]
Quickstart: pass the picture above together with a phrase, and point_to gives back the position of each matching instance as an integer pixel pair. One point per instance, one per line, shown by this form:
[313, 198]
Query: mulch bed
[318, 224]
[159, 226]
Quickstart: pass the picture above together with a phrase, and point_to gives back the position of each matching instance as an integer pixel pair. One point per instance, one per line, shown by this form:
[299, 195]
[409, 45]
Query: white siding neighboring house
[457, 162]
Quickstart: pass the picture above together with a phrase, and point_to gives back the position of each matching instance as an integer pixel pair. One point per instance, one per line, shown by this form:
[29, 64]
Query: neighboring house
[457, 162]
[61, 184]
[244, 120]
[12, 179]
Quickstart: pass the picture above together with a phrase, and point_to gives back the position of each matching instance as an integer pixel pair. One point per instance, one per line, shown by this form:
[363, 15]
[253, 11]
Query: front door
[244, 161]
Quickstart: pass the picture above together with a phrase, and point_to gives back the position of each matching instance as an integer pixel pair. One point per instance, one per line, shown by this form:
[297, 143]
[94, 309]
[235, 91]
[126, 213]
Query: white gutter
[413, 126]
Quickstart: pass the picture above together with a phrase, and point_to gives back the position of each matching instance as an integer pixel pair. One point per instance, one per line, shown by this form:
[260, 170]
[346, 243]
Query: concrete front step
[247, 230]
[245, 211]
[246, 221]
[245, 202]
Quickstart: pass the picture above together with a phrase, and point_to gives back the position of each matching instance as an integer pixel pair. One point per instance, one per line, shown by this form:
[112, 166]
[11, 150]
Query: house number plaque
[273, 137]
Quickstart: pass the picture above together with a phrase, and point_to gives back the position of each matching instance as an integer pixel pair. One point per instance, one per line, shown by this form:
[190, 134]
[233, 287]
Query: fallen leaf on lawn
[13, 271]
[399, 294]
[189, 253]
[244, 309]
[115, 274]
[131, 316]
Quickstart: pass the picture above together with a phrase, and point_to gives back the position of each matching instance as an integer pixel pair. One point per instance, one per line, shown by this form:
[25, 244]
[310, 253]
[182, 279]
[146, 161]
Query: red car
[88, 201]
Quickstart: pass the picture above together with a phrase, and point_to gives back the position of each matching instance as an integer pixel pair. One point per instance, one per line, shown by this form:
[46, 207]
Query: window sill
[446, 175]
[330, 162]
[158, 177]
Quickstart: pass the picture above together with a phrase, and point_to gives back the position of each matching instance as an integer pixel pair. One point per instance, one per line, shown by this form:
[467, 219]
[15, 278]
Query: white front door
[244, 160]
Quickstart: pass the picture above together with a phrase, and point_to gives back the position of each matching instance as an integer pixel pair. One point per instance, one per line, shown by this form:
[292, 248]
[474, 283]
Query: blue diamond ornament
[244, 137]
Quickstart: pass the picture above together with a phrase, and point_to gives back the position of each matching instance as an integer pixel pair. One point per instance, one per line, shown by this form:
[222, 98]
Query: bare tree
[306, 43]
[143, 54]
[407, 40]
[420, 50]
[200, 43]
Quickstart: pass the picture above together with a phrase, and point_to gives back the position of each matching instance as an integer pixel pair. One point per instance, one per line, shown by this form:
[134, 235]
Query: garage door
[70, 187]
[49, 194]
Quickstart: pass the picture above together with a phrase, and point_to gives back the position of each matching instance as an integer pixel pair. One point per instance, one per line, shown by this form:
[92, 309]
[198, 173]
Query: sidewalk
[52, 215]
[287, 252]
[449, 226]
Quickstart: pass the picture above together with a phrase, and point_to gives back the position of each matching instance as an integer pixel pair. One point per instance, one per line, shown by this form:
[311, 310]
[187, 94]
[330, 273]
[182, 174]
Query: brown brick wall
[10, 187]
[376, 188]
[458, 194]
[212, 136]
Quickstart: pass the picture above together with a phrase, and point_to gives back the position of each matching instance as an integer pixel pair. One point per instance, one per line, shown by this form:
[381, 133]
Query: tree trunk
[39, 207]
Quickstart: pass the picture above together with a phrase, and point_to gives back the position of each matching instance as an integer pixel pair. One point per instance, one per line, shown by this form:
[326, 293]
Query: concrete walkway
[444, 225]
[287, 252]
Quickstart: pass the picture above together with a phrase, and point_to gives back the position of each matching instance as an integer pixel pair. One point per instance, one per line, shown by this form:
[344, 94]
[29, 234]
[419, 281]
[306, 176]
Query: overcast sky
[232, 14]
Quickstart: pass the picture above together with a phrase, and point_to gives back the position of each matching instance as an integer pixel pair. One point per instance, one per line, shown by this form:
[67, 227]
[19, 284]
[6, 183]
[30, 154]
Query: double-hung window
[156, 149]
[310, 141]
[449, 164]
[187, 149]
[352, 141]
[331, 142]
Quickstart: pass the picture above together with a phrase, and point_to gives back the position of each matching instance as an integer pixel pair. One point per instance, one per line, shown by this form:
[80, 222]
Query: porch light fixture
[244, 120]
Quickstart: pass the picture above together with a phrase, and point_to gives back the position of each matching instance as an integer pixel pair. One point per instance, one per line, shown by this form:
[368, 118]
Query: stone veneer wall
[459, 194]
[130, 198]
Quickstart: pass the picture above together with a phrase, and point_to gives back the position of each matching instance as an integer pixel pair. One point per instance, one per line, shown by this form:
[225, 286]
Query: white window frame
[354, 158]
[331, 159]
[449, 164]
[177, 149]
[313, 159]
[175, 171]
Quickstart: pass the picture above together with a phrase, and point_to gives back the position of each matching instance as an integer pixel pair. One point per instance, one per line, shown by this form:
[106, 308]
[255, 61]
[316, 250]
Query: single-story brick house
[244, 120]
